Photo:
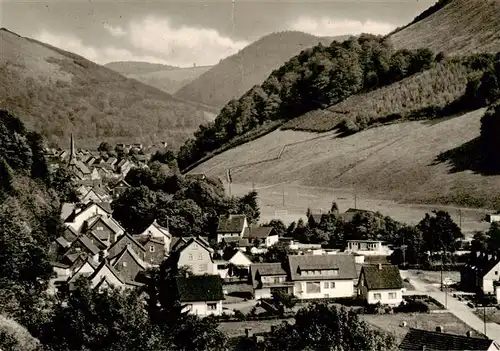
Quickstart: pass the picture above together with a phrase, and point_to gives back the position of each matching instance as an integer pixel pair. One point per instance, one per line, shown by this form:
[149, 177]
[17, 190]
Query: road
[454, 306]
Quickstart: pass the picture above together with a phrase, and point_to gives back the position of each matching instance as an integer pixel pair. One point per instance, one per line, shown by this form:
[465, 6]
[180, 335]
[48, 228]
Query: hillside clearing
[401, 163]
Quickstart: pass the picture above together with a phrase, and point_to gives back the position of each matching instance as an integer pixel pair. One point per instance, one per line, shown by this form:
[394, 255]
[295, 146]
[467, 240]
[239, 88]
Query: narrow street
[453, 305]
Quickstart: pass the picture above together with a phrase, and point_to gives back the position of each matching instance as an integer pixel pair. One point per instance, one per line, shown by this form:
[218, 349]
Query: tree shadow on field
[467, 157]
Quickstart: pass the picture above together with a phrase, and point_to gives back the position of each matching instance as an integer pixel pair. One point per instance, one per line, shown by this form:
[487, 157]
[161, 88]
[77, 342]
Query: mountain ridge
[56, 92]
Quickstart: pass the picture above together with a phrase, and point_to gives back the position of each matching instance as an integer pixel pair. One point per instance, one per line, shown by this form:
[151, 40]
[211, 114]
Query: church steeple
[72, 155]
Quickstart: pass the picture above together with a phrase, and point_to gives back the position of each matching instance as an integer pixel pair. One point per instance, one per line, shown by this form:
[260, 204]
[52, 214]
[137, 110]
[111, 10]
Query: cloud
[182, 46]
[325, 26]
[114, 31]
[99, 55]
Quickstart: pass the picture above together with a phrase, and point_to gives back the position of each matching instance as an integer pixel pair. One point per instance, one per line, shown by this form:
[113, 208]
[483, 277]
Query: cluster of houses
[482, 274]
[89, 166]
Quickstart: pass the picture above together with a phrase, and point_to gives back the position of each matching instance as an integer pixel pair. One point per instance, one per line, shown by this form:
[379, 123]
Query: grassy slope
[436, 87]
[408, 161]
[236, 74]
[461, 27]
[56, 92]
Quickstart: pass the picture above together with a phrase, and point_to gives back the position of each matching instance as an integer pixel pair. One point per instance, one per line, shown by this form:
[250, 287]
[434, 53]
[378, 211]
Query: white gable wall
[202, 308]
[105, 273]
[239, 259]
[490, 277]
[84, 215]
[392, 297]
[271, 240]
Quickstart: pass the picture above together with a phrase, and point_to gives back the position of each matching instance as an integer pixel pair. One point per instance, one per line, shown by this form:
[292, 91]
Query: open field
[392, 323]
[402, 170]
[388, 322]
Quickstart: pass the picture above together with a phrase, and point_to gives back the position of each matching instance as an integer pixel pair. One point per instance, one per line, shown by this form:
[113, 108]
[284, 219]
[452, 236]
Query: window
[124, 264]
[190, 257]
[332, 285]
[326, 285]
[313, 287]
[100, 228]
[277, 280]
[195, 246]
[496, 272]
[392, 296]
[327, 296]
[202, 267]
[151, 248]
[377, 296]
[200, 256]
[211, 306]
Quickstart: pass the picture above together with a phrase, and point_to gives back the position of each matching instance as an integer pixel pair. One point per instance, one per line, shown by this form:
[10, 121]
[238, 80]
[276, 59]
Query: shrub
[239, 315]
[411, 306]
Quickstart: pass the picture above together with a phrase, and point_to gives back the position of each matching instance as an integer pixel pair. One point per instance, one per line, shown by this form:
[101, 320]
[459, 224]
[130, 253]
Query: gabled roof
[127, 250]
[108, 221]
[144, 239]
[120, 182]
[316, 217]
[265, 269]
[62, 242]
[181, 243]
[129, 237]
[483, 264]
[103, 265]
[90, 262]
[67, 210]
[155, 225]
[199, 288]
[381, 277]
[345, 265]
[233, 223]
[417, 339]
[87, 244]
[240, 242]
[258, 232]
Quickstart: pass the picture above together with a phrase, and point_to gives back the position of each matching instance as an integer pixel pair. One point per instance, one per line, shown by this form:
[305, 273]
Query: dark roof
[483, 264]
[199, 288]
[231, 224]
[257, 232]
[87, 243]
[417, 339]
[382, 277]
[345, 265]
[265, 269]
[357, 210]
[129, 237]
[240, 242]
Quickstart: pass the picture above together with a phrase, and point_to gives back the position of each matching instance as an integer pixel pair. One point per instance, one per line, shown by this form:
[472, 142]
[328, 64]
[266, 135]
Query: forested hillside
[57, 93]
[234, 75]
[317, 77]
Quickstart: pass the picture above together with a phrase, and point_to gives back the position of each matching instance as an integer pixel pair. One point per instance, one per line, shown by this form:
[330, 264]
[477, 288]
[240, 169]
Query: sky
[184, 33]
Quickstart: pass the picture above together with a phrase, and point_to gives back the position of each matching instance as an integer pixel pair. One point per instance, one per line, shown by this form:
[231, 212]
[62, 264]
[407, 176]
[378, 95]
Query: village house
[158, 232]
[155, 248]
[196, 255]
[381, 284]
[266, 278]
[124, 241]
[241, 244]
[239, 264]
[232, 225]
[323, 276]
[480, 273]
[367, 247]
[267, 236]
[306, 276]
[124, 166]
[128, 264]
[102, 229]
[118, 188]
[78, 216]
[202, 295]
[418, 339]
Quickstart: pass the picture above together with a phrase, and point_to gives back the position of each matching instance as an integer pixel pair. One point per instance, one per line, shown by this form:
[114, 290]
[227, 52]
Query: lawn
[392, 323]
[434, 277]
[234, 329]
[492, 314]
[393, 169]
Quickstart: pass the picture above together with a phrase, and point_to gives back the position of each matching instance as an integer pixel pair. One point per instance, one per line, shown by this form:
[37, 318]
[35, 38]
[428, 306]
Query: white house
[195, 254]
[266, 236]
[232, 225]
[79, 216]
[367, 247]
[240, 260]
[493, 217]
[323, 276]
[306, 277]
[201, 295]
[481, 273]
[381, 284]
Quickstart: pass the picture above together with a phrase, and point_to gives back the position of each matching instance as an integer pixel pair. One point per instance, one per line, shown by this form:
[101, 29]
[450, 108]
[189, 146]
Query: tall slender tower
[72, 154]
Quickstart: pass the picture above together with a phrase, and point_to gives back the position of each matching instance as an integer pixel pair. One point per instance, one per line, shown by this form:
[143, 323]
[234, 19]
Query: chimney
[439, 329]
[103, 254]
[380, 266]
[248, 332]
